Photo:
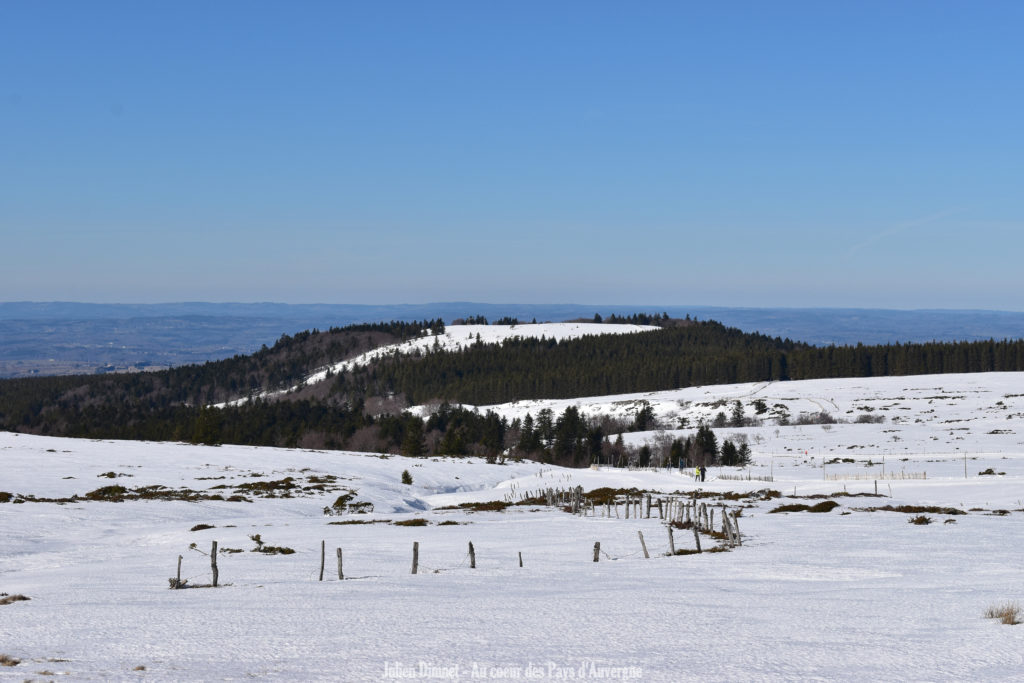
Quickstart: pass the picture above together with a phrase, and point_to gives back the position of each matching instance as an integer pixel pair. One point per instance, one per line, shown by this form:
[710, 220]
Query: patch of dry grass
[1007, 613]
[419, 521]
[6, 599]
[7, 660]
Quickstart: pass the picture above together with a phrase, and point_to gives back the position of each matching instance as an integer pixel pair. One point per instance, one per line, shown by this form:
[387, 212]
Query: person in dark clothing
[703, 472]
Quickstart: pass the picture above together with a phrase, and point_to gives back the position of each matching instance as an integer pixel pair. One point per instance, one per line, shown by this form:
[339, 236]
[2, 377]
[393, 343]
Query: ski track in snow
[858, 596]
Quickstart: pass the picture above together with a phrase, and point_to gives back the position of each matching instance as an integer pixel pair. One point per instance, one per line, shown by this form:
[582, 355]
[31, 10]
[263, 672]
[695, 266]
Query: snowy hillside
[856, 593]
[918, 414]
[460, 336]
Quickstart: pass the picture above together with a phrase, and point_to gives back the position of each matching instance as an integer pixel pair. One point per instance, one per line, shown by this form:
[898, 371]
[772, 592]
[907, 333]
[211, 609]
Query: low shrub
[406, 477]
[486, 506]
[7, 660]
[201, 527]
[915, 509]
[275, 550]
[920, 519]
[114, 494]
[268, 549]
[419, 521]
[606, 495]
[823, 506]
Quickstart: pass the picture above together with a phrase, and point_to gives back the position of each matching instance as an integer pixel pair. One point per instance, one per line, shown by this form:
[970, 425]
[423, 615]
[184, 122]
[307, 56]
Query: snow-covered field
[919, 415]
[850, 594]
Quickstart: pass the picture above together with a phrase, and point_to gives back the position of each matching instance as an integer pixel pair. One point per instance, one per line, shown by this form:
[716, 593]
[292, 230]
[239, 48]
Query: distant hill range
[53, 338]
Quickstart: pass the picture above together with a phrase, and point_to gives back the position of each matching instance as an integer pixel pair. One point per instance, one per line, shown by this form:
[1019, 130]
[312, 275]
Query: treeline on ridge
[363, 409]
[699, 353]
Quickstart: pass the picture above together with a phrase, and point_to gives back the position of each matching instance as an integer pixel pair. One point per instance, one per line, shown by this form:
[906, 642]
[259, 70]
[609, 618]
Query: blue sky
[744, 154]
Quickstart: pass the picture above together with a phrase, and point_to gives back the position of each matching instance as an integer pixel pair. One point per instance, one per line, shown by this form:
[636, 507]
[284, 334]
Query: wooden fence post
[520, 558]
[341, 574]
[415, 556]
[472, 556]
[643, 545]
[627, 507]
[696, 537]
[213, 563]
[597, 550]
[736, 523]
[322, 548]
[671, 541]
[177, 582]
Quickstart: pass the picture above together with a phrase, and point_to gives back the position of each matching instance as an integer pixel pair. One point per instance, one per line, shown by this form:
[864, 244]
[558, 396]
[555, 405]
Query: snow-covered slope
[919, 414]
[852, 594]
[460, 336]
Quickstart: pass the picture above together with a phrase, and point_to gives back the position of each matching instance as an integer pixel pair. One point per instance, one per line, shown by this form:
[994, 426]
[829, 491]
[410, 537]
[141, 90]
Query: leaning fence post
[643, 545]
[696, 537]
[727, 530]
[671, 541]
[736, 525]
[472, 556]
[322, 547]
[415, 555]
[341, 574]
[597, 550]
[520, 558]
[177, 582]
[213, 563]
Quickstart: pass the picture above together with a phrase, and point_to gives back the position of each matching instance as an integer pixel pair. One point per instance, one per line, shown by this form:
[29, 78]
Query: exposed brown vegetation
[914, 509]
[419, 521]
[823, 506]
[6, 599]
[1008, 613]
[486, 506]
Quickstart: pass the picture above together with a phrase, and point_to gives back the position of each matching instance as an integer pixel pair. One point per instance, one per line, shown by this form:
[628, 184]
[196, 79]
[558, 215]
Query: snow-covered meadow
[850, 594]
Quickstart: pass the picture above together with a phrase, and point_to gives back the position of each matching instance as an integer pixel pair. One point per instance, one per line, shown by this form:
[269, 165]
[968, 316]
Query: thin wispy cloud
[900, 228]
